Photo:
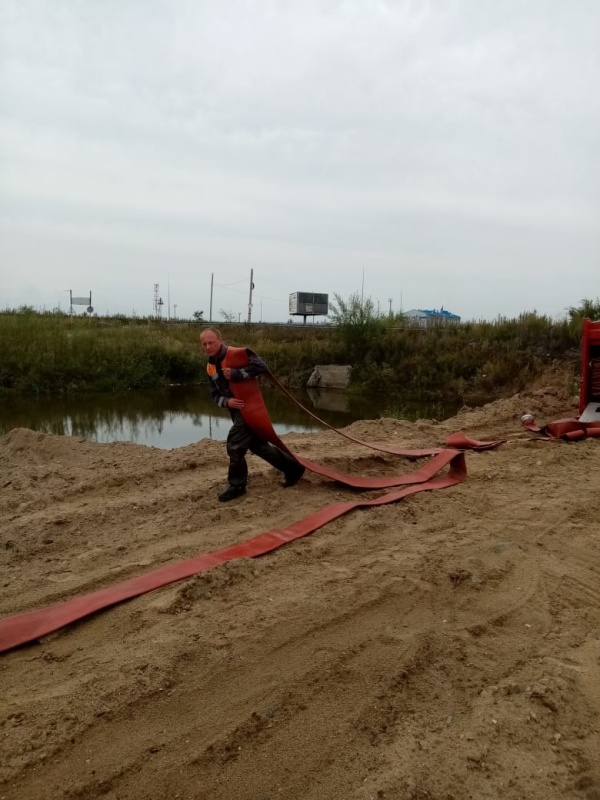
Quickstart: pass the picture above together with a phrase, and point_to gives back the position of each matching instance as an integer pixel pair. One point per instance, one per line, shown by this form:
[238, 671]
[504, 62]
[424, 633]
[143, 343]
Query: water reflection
[177, 416]
[329, 401]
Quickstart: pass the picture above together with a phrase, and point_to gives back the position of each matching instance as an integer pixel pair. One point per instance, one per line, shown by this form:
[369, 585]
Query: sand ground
[445, 647]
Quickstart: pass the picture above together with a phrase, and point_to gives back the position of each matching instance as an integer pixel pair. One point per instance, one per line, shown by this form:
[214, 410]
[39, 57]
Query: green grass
[53, 353]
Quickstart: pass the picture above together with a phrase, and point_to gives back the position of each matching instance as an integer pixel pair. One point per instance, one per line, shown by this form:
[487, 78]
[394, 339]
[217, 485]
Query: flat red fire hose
[569, 430]
[29, 626]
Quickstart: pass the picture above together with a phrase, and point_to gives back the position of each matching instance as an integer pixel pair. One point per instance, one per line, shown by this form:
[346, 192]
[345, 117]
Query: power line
[261, 296]
[236, 291]
[235, 283]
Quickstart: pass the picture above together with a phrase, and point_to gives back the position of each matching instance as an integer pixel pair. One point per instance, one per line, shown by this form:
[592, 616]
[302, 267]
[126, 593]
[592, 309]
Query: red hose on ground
[26, 627]
[570, 430]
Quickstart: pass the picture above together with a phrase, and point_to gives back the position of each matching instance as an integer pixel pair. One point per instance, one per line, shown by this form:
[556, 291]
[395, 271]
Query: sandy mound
[444, 647]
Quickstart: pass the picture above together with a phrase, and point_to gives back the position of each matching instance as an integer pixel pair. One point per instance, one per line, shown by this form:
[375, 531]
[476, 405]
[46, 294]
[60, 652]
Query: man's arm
[255, 367]
[215, 394]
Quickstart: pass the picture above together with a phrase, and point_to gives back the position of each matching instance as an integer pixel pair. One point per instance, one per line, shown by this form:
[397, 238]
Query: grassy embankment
[44, 353]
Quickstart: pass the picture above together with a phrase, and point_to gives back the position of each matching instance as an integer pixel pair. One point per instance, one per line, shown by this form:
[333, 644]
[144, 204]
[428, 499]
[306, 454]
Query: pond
[180, 415]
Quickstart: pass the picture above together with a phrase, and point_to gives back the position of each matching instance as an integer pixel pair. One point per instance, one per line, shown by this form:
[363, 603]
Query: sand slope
[444, 647]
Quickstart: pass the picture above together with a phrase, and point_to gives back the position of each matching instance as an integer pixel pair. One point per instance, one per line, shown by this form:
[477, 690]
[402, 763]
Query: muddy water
[180, 415]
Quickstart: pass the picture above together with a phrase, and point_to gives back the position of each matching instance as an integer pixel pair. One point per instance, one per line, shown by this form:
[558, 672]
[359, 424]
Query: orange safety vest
[236, 354]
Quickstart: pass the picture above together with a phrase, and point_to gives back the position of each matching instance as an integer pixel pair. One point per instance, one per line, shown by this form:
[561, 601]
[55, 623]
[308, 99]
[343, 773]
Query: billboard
[307, 304]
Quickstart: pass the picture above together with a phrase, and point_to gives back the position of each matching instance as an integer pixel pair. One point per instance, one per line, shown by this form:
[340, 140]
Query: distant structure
[80, 301]
[426, 318]
[309, 304]
[158, 302]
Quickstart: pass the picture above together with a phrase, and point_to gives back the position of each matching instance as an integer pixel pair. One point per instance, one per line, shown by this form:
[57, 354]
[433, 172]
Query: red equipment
[589, 390]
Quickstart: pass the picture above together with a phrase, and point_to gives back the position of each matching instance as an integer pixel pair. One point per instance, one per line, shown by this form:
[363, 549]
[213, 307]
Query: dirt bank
[446, 647]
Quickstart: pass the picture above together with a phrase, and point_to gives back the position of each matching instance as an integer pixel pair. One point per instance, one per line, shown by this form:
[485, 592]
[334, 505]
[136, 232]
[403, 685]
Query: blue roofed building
[429, 318]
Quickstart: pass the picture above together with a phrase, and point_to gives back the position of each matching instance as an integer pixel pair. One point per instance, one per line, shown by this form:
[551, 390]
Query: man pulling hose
[241, 437]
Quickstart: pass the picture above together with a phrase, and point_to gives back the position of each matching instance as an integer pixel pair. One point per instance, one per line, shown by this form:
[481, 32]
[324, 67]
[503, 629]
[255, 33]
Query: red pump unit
[589, 390]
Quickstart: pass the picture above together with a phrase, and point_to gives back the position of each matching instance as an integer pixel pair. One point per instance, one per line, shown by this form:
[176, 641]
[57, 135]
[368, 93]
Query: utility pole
[390, 302]
[250, 296]
[212, 277]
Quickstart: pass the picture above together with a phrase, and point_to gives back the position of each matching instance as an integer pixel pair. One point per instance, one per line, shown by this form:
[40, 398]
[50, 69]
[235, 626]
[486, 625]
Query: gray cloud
[447, 148]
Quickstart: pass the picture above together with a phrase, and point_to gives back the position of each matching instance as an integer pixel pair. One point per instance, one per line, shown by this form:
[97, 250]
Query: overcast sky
[446, 150]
